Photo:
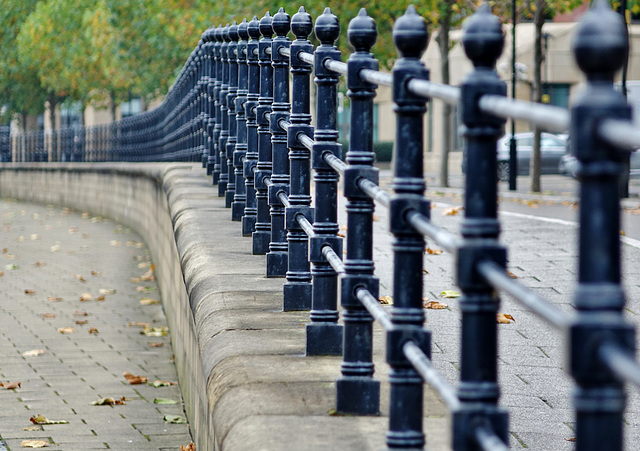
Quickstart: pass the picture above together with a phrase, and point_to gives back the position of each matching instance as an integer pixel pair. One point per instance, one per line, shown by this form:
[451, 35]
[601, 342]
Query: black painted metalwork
[324, 334]
[357, 391]
[223, 113]
[217, 115]
[277, 258]
[297, 289]
[232, 140]
[240, 195]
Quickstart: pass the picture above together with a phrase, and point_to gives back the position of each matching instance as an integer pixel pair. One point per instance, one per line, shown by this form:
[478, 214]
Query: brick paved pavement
[45, 250]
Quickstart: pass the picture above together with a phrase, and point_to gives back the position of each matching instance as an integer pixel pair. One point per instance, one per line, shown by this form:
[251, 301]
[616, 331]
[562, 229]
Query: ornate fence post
[600, 46]
[251, 158]
[277, 258]
[478, 390]
[358, 392]
[262, 235]
[407, 315]
[217, 86]
[324, 334]
[210, 148]
[240, 196]
[223, 114]
[232, 64]
[297, 290]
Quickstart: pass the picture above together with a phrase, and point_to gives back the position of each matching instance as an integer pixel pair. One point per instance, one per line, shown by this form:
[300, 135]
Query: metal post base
[277, 264]
[358, 396]
[261, 242]
[324, 339]
[248, 225]
[228, 198]
[297, 297]
[222, 188]
[237, 210]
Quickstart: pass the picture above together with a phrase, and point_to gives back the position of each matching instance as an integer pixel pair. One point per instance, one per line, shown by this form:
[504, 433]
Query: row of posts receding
[242, 106]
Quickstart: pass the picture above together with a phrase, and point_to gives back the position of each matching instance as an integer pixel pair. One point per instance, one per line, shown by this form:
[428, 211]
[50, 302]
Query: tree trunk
[535, 163]
[443, 46]
[53, 103]
[113, 106]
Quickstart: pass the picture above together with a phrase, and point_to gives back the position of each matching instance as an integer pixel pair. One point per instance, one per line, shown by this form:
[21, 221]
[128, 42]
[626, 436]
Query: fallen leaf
[134, 380]
[109, 402]
[145, 289]
[11, 266]
[85, 215]
[115, 243]
[85, 235]
[82, 321]
[100, 298]
[79, 277]
[160, 383]
[424, 271]
[32, 428]
[1, 273]
[451, 211]
[155, 331]
[80, 313]
[93, 330]
[95, 273]
[55, 248]
[450, 294]
[38, 264]
[107, 291]
[10, 385]
[148, 301]
[10, 256]
[33, 353]
[72, 230]
[164, 401]
[85, 297]
[375, 218]
[434, 251]
[144, 265]
[66, 330]
[5, 250]
[622, 233]
[148, 276]
[503, 318]
[35, 236]
[435, 305]
[175, 419]
[135, 279]
[155, 344]
[48, 315]
[41, 419]
[54, 298]
[190, 447]
[387, 300]
[139, 324]
[570, 439]
[34, 443]
[29, 292]
[512, 275]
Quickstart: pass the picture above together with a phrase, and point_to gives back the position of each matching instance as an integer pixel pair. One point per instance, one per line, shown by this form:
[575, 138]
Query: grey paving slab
[59, 255]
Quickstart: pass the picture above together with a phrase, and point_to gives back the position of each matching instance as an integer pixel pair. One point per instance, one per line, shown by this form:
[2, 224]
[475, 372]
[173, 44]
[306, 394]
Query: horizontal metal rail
[285, 51]
[333, 259]
[497, 276]
[306, 57]
[374, 308]
[284, 124]
[267, 181]
[374, 191]
[284, 199]
[306, 141]
[488, 440]
[336, 66]
[422, 224]
[620, 133]
[376, 77]
[430, 375]
[550, 118]
[305, 225]
[424, 88]
[620, 361]
[336, 163]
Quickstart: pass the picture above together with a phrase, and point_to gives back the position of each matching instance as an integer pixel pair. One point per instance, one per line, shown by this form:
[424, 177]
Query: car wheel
[503, 171]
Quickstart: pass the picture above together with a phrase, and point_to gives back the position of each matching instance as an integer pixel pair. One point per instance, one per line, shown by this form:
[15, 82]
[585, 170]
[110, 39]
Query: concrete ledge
[245, 380]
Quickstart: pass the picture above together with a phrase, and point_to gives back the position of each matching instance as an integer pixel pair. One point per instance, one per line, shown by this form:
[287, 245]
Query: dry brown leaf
[115, 243]
[107, 291]
[85, 297]
[512, 275]
[134, 380]
[387, 300]
[341, 235]
[622, 233]
[41, 419]
[1, 273]
[32, 428]
[433, 251]
[424, 271]
[82, 321]
[148, 301]
[55, 248]
[570, 439]
[100, 298]
[66, 330]
[435, 305]
[135, 279]
[85, 235]
[79, 277]
[34, 443]
[155, 344]
[190, 447]
[375, 217]
[72, 230]
[109, 402]
[159, 383]
[93, 330]
[10, 385]
[503, 318]
[148, 276]
[80, 313]
[39, 264]
[33, 353]
[95, 273]
[54, 298]
[139, 324]
[48, 315]
[29, 292]
[451, 211]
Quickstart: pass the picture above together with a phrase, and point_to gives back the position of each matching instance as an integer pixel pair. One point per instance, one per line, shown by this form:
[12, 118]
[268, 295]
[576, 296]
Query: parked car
[552, 148]
[569, 164]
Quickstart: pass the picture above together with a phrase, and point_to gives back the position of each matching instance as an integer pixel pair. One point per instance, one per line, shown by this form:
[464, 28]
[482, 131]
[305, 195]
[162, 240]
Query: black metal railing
[232, 108]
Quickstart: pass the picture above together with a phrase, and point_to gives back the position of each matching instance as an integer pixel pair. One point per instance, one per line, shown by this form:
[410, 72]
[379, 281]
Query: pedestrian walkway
[77, 296]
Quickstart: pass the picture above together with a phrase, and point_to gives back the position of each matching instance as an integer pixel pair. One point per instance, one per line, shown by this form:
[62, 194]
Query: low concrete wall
[245, 380]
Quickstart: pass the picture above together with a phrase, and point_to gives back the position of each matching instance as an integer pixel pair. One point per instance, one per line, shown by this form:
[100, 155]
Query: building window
[132, 107]
[71, 114]
[556, 94]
